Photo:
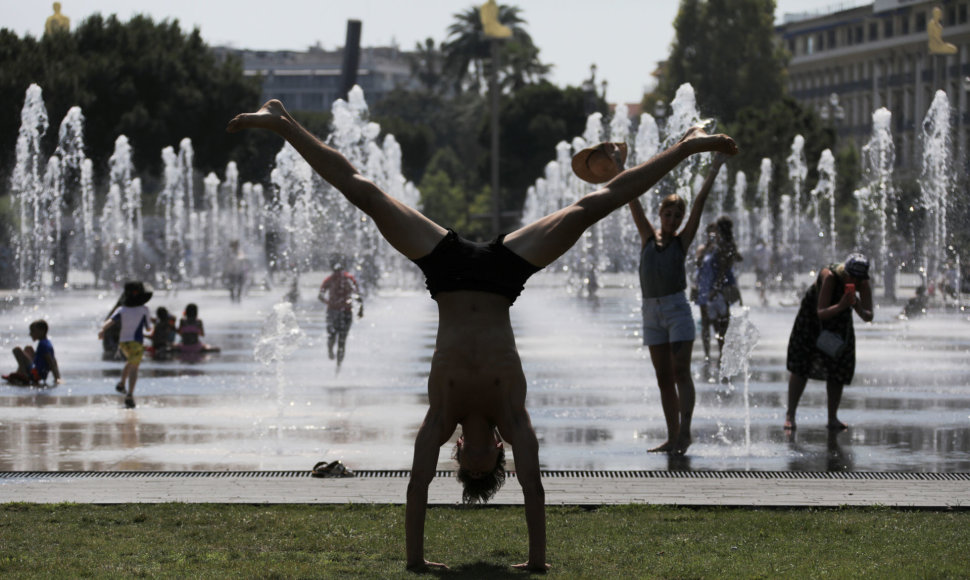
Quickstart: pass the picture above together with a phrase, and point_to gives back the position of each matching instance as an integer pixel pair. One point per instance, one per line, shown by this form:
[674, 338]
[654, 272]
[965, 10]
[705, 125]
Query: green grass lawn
[302, 541]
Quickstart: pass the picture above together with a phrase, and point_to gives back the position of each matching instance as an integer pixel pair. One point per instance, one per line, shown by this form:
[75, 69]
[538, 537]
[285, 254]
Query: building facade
[311, 80]
[851, 60]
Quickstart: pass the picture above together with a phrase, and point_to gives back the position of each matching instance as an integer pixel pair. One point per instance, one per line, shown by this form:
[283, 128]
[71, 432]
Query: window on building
[873, 31]
[858, 34]
[810, 45]
[962, 14]
[921, 21]
[791, 45]
[887, 28]
[830, 39]
[821, 42]
[904, 24]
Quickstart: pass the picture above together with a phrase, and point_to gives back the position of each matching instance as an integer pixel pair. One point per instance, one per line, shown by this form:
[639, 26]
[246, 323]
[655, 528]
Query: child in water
[191, 330]
[33, 365]
[163, 337]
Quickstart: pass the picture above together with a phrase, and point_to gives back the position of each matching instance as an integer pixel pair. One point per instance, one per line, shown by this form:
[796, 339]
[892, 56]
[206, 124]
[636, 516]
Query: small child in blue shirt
[33, 365]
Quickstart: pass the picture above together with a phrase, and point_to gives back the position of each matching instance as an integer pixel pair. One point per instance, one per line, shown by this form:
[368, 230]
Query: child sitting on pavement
[191, 330]
[33, 365]
[163, 336]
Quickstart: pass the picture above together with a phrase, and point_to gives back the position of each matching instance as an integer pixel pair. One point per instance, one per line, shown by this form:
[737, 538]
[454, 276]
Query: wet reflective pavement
[592, 394]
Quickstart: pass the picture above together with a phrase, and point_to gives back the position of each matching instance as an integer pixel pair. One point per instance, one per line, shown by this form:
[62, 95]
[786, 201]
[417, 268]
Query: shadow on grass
[487, 570]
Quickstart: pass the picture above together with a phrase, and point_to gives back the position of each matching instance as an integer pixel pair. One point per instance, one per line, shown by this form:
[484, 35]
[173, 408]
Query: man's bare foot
[789, 423]
[665, 447]
[531, 568]
[836, 425]
[699, 140]
[426, 565]
[267, 117]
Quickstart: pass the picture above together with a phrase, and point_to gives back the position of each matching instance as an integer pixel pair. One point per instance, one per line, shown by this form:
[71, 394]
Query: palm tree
[427, 65]
[468, 52]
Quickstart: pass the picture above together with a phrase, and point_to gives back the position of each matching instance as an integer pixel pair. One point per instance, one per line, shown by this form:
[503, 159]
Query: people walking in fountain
[338, 292]
[826, 312]
[720, 286]
[476, 378]
[949, 285]
[668, 324]
[135, 320]
[703, 277]
[237, 270]
[34, 364]
[762, 269]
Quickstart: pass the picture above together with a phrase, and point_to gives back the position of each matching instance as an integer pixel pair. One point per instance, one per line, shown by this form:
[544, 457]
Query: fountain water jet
[935, 182]
[824, 191]
[28, 191]
[797, 172]
[739, 342]
[877, 200]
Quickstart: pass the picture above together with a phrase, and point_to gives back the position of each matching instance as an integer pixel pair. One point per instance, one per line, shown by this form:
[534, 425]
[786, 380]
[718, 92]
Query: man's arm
[525, 446]
[423, 468]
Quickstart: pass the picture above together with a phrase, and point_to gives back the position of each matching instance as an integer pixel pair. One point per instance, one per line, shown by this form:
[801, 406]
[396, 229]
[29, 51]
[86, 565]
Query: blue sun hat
[857, 266]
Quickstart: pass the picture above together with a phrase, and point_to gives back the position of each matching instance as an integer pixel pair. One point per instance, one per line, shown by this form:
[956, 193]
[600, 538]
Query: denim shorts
[668, 319]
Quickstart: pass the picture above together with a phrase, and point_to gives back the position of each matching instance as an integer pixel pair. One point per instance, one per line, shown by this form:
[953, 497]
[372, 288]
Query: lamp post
[494, 31]
[589, 91]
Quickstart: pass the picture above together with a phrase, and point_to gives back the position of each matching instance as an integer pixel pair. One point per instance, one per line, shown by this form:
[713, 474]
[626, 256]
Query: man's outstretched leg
[544, 240]
[406, 229]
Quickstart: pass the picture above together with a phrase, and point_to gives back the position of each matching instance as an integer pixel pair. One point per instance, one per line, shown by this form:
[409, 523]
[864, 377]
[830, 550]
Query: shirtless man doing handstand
[476, 377]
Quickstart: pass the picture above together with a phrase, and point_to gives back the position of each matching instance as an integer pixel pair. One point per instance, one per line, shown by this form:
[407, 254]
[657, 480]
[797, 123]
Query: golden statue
[57, 22]
[493, 28]
[934, 30]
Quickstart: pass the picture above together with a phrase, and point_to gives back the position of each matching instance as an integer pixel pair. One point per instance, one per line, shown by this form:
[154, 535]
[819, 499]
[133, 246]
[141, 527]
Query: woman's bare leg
[663, 366]
[544, 240]
[405, 228]
[680, 353]
[796, 386]
[834, 392]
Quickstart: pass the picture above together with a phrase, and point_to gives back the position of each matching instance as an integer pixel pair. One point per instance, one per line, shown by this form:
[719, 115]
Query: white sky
[625, 38]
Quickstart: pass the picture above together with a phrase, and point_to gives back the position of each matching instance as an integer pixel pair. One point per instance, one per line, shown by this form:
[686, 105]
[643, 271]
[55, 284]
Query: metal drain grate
[605, 474]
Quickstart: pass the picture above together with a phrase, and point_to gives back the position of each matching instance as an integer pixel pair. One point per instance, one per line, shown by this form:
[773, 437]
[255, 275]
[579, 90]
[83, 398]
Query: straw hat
[581, 162]
[137, 293]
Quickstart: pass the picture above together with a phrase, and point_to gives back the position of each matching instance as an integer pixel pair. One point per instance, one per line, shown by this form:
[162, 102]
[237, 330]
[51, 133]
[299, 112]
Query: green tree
[769, 132]
[468, 52]
[146, 80]
[427, 64]
[533, 121]
[726, 50]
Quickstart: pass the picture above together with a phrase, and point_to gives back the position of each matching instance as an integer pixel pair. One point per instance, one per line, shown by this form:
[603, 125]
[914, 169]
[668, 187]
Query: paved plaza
[744, 489]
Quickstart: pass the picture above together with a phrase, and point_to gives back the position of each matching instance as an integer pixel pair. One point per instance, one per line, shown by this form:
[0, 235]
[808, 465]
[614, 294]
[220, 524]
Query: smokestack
[348, 73]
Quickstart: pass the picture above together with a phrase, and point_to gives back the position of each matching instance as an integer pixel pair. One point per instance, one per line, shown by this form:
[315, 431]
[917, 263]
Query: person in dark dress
[827, 305]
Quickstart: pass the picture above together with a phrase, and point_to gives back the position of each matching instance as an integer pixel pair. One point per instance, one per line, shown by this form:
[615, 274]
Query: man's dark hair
[481, 489]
